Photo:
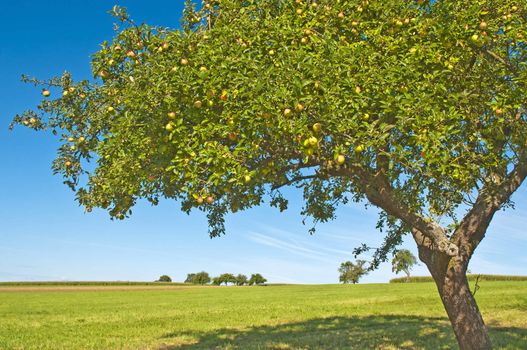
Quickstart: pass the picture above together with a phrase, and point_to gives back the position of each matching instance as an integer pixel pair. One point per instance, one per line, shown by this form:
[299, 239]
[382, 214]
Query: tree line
[203, 278]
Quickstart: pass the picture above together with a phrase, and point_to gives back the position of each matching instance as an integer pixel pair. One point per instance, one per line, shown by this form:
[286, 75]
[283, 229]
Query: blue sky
[44, 235]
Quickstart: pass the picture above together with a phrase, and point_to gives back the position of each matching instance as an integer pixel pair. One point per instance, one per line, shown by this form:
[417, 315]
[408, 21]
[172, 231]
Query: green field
[374, 316]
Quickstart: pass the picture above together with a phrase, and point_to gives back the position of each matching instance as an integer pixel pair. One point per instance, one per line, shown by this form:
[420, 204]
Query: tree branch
[491, 198]
[381, 194]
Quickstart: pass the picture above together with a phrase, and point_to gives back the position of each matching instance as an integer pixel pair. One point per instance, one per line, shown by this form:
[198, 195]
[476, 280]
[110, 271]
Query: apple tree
[418, 107]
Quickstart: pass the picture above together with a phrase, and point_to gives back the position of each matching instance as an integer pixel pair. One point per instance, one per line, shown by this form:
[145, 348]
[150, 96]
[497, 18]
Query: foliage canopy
[418, 106]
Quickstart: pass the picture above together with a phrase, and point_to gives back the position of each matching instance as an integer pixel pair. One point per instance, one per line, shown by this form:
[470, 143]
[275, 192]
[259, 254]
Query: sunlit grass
[382, 316]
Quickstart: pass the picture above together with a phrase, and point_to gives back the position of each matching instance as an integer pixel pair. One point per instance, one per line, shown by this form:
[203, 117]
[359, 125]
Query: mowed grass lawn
[371, 316]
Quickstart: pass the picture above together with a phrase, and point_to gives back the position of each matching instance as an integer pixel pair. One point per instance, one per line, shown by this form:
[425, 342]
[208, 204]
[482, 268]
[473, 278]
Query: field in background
[382, 316]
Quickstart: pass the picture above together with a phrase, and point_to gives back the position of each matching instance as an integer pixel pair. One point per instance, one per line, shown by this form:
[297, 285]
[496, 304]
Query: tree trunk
[460, 305]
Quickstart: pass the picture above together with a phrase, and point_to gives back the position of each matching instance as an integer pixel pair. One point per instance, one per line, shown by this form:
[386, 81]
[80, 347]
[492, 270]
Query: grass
[381, 316]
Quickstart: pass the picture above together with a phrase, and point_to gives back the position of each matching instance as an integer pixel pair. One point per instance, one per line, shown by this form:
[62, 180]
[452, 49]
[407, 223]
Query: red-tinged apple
[499, 111]
[210, 200]
[232, 136]
[165, 46]
[130, 53]
[341, 15]
[199, 200]
[483, 25]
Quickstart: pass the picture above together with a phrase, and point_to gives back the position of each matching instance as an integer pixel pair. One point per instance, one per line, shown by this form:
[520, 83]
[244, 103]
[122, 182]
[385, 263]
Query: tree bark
[450, 277]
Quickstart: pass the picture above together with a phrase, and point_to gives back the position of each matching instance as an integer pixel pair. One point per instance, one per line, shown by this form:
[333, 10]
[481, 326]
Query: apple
[304, 40]
[287, 112]
[341, 159]
[299, 11]
[171, 115]
[313, 141]
[341, 15]
[366, 116]
[72, 148]
[81, 139]
[247, 179]
[271, 52]
[359, 148]
[498, 111]
[210, 200]
[169, 127]
[71, 139]
[199, 200]
[232, 136]
[165, 46]
[223, 95]
[299, 107]
[184, 61]
[202, 69]
[65, 93]
[111, 109]
[130, 53]
[32, 120]
[26, 123]
[82, 95]
[358, 89]
[104, 74]
[198, 104]
[317, 127]
[210, 103]
[46, 93]
[67, 163]
[483, 25]
[309, 152]
[399, 23]
[475, 38]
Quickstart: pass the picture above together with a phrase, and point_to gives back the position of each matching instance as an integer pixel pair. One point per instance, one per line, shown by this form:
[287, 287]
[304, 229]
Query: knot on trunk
[448, 248]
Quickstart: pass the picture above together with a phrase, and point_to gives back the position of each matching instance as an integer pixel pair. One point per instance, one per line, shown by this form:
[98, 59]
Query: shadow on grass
[372, 332]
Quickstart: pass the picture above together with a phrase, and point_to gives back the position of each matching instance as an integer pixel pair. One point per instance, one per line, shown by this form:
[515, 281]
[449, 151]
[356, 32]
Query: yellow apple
[169, 127]
[313, 141]
[46, 93]
[171, 115]
[198, 104]
[317, 127]
[184, 61]
[299, 107]
[341, 159]
[359, 148]
[247, 179]
[287, 112]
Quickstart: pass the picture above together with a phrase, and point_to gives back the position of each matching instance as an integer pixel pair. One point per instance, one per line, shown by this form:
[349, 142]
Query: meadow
[369, 316]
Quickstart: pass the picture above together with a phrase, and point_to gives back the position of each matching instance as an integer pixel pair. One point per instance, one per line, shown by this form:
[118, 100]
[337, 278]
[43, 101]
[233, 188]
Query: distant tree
[257, 279]
[403, 260]
[227, 278]
[190, 278]
[198, 278]
[216, 281]
[241, 280]
[164, 278]
[351, 272]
